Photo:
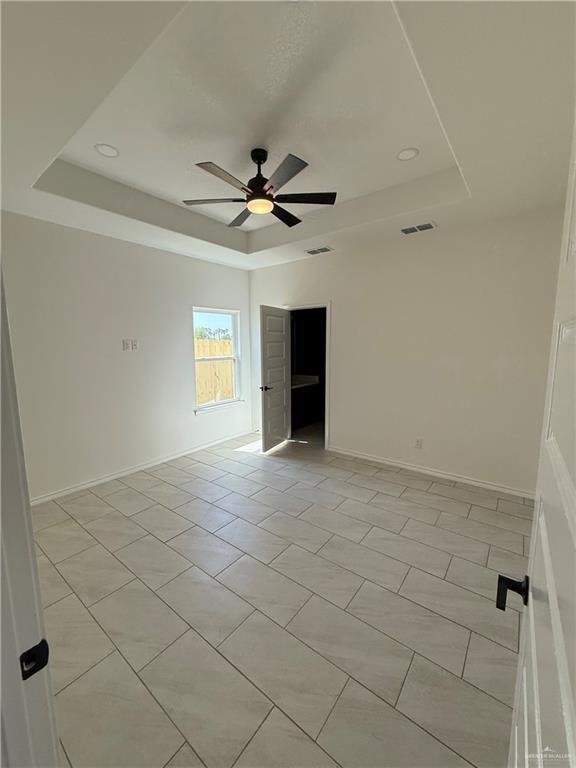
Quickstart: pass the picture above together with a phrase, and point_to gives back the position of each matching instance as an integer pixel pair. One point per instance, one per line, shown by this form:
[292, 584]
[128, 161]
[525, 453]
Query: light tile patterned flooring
[297, 610]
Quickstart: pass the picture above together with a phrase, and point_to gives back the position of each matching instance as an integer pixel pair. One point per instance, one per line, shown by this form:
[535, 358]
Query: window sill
[199, 409]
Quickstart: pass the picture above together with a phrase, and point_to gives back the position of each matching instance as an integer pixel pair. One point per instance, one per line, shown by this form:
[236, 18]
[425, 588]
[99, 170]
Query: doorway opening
[294, 344]
[308, 374]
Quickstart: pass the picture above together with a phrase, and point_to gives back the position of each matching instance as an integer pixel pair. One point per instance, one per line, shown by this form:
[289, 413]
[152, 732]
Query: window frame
[235, 357]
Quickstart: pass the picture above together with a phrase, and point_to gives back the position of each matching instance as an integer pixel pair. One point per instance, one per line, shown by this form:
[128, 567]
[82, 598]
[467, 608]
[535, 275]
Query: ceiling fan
[261, 193]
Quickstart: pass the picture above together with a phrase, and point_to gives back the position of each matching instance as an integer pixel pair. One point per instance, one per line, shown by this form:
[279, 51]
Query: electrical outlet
[129, 345]
[419, 443]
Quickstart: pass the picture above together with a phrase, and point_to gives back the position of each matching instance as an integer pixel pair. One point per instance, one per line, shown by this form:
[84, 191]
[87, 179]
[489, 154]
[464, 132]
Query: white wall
[442, 336]
[88, 410]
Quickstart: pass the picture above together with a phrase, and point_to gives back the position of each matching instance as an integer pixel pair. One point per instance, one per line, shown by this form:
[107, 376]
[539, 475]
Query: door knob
[505, 583]
[265, 388]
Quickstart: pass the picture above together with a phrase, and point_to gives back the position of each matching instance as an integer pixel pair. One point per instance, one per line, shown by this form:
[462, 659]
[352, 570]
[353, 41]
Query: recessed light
[408, 154]
[107, 150]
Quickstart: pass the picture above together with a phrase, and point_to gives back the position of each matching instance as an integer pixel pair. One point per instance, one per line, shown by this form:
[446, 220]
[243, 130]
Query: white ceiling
[334, 83]
[484, 89]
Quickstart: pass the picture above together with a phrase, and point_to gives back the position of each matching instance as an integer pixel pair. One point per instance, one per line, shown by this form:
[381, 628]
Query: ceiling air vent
[321, 249]
[418, 228]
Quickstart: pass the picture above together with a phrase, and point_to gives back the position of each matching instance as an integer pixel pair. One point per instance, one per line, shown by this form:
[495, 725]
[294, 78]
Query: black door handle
[265, 388]
[34, 659]
[505, 583]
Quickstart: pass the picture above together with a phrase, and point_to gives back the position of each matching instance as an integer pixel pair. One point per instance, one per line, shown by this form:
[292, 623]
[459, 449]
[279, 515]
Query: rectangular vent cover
[321, 249]
[418, 228]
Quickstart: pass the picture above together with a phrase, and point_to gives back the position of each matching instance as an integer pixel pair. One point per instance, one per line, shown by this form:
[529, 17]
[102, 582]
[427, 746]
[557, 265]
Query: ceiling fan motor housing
[259, 156]
[256, 185]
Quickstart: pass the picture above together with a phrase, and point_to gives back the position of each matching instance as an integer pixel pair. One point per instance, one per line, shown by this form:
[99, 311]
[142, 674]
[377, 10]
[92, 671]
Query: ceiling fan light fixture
[260, 205]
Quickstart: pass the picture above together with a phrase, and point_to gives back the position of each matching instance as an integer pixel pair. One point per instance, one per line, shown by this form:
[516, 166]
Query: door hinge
[34, 659]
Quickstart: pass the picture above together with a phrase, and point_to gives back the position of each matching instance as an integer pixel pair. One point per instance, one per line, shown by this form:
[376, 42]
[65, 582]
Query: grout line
[50, 525]
[91, 546]
[88, 607]
[171, 643]
[352, 598]
[114, 650]
[404, 680]
[404, 579]
[370, 529]
[252, 737]
[245, 619]
[55, 602]
[161, 586]
[312, 594]
[404, 526]
[466, 655]
[175, 753]
[334, 707]
[61, 743]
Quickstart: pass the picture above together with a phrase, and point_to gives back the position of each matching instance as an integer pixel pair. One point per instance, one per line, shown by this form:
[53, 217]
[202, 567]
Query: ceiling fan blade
[215, 170]
[240, 219]
[288, 168]
[219, 200]
[285, 216]
[308, 198]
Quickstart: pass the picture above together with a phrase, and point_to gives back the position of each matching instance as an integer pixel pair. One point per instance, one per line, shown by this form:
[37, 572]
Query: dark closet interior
[308, 340]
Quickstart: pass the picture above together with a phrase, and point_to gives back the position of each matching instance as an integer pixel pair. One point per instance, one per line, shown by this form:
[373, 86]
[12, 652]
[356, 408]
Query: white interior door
[28, 728]
[275, 388]
[544, 724]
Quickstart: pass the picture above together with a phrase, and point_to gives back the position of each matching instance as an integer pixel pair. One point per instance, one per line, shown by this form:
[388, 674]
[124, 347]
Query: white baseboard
[434, 472]
[329, 447]
[129, 470]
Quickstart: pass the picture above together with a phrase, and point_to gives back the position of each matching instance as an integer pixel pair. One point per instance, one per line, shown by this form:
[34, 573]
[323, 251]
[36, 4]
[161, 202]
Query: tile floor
[298, 610]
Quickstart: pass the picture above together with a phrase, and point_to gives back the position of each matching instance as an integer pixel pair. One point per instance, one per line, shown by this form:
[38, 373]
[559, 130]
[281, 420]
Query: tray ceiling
[343, 85]
[334, 83]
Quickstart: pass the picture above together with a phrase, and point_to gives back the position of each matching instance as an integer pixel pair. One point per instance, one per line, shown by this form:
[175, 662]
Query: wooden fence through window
[214, 378]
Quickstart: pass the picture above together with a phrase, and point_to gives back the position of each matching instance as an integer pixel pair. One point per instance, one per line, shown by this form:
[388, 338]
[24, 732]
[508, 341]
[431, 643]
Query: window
[216, 356]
